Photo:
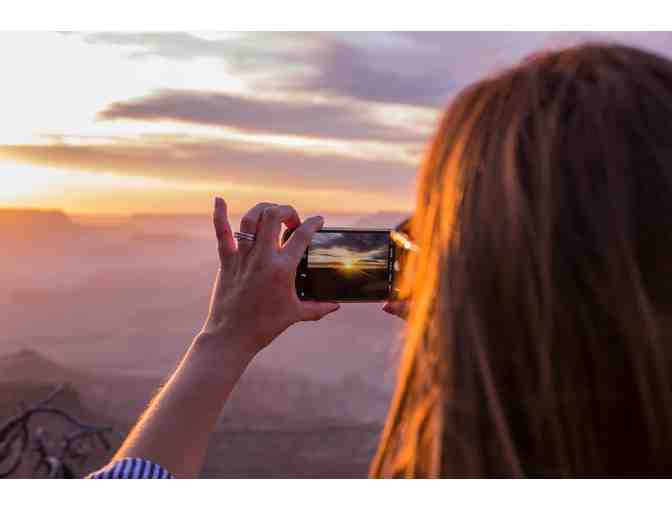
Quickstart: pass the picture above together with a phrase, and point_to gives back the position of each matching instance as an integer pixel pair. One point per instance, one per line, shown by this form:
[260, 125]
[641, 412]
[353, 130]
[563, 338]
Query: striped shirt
[131, 468]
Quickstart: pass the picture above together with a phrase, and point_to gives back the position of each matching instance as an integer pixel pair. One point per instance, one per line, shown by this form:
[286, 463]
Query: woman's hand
[254, 298]
[398, 308]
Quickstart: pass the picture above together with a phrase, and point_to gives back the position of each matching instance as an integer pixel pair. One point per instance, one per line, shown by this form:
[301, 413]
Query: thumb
[315, 310]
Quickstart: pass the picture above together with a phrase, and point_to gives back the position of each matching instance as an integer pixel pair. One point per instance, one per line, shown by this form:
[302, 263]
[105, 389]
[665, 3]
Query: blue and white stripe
[131, 468]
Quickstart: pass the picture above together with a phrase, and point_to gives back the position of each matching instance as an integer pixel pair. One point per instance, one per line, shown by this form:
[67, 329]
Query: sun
[19, 183]
[349, 264]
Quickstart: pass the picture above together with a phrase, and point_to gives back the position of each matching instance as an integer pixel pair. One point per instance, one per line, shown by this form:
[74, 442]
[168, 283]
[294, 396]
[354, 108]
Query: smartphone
[347, 264]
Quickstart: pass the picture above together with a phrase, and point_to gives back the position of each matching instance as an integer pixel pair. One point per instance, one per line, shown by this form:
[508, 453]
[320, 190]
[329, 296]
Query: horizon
[154, 214]
[126, 123]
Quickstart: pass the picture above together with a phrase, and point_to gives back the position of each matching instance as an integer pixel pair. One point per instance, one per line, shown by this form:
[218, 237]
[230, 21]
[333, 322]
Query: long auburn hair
[539, 338]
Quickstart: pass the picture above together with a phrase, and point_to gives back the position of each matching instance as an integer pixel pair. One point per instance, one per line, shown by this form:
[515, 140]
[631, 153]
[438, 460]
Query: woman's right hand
[254, 297]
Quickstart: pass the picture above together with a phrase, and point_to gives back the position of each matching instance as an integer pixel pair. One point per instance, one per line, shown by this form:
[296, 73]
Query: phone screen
[348, 265]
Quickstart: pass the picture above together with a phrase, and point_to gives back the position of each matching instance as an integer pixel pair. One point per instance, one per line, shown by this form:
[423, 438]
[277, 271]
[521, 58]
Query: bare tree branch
[55, 458]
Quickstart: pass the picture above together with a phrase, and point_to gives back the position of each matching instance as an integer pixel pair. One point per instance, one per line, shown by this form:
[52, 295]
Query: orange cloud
[208, 160]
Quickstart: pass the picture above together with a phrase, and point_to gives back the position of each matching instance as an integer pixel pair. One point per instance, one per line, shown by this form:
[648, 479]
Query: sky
[336, 250]
[121, 123]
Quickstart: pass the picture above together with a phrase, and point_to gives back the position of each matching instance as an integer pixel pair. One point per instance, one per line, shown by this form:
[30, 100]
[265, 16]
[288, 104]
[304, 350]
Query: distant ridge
[167, 216]
[36, 220]
[265, 396]
[27, 364]
[383, 219]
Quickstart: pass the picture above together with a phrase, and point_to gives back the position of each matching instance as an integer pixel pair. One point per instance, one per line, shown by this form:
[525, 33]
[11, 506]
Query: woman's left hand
[398, 308]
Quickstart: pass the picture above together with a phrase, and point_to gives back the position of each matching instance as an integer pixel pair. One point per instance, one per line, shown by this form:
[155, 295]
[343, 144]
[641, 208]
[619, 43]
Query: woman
[539, 301]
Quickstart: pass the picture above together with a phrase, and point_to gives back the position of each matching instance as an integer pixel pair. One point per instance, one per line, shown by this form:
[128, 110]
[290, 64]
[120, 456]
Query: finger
[249, 224]
[268, 233]
[297, 244]
[316, 310]
[250, 221]
[397, 308]
[225, 243]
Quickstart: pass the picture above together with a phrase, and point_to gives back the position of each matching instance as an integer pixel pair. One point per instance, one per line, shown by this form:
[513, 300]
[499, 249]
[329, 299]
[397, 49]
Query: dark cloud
[357, 244]
[212, 161]
[409, 68]
[262, 116]
[403, 72]
[351, 71]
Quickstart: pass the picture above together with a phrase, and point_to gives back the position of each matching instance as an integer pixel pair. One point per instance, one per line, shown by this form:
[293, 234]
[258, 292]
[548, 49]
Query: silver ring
[244, 236]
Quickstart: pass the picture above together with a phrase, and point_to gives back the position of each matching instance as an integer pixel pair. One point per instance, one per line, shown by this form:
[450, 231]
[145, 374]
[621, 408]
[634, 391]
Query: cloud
[262, 116]
[378, 67]
[351, 71]
[408, 68]
[212, 161]
[246, 50]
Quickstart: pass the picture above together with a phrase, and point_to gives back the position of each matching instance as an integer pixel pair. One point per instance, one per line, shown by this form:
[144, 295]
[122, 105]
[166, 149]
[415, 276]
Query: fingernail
[218, 201]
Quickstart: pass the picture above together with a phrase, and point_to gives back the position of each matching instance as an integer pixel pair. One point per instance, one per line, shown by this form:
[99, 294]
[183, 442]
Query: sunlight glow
[82, 192]
[55, 101]
[28, 186]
